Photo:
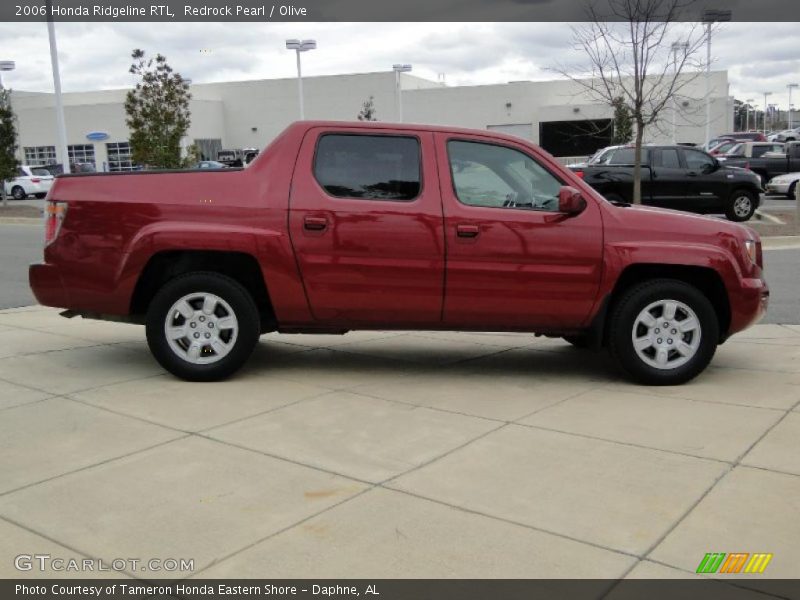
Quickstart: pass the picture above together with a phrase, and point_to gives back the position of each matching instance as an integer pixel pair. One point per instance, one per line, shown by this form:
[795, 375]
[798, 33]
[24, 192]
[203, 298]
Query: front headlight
[751, 247]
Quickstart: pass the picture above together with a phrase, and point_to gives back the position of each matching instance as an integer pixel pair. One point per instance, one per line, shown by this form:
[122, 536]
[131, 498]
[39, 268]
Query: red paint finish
[345, 263]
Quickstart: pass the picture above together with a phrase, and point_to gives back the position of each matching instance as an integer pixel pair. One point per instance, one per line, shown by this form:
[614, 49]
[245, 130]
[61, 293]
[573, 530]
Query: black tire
[242, 307]
[18, 193]
[625, 314]
[579, 341]
[790, 193]
[741, 205]
[40, 196]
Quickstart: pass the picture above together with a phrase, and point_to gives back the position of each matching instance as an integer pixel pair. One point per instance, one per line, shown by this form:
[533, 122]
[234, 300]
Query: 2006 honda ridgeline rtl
[341, 226]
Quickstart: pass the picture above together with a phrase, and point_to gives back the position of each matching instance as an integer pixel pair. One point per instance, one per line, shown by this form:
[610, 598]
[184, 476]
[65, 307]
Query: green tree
[8, 142]
[623, 123]
[368, 111]
[157, 112]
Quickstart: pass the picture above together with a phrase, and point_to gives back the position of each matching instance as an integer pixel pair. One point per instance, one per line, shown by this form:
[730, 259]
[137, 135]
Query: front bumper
[47, 286]
[749, 304]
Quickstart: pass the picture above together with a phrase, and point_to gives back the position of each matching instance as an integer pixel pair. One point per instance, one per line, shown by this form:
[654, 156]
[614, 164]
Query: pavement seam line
[724, 474]
[88, 467]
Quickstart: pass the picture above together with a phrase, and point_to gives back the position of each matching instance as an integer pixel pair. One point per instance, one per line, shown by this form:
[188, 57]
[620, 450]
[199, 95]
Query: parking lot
[389, 454]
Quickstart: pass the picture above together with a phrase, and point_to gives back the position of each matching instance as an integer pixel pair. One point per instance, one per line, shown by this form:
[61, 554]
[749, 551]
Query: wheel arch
[705, 279]
[168, 264]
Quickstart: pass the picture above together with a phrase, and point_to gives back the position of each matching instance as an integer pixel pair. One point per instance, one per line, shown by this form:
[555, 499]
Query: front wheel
[663, 332]
[202, 326]
[18, 192]
[741, 206]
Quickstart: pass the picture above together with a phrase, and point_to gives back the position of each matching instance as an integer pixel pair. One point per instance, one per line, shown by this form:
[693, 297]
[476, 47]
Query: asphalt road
[21, 245]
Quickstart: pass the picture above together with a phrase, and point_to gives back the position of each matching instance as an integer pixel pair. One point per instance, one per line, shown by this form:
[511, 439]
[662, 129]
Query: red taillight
[54, 216]
[35, 180]
[579, 174]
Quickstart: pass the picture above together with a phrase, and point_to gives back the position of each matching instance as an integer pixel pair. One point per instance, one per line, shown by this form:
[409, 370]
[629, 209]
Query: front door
[706, 183]
[365, 220]
[513, 261]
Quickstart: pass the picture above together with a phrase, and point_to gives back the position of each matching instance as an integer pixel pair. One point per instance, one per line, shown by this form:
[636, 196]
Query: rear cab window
[369, 167]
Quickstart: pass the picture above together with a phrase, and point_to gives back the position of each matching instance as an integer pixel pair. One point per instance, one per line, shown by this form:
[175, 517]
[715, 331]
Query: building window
[81, 153]
[119, 156]
[39, 156]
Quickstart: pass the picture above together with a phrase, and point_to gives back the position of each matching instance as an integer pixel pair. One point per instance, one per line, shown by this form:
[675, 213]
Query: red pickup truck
[342, 226]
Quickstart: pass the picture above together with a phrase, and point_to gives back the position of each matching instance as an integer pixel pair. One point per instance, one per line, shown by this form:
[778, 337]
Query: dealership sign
[97, 136]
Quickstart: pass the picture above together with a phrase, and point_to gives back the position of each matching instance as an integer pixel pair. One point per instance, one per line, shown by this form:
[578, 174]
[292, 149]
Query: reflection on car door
[365, 220]
[513, 261]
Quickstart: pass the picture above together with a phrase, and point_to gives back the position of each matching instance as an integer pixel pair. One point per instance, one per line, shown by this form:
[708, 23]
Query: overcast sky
[759, 56]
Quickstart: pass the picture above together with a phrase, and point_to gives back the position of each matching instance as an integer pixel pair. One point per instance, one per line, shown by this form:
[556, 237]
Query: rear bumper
[748, 303]
[47, 286]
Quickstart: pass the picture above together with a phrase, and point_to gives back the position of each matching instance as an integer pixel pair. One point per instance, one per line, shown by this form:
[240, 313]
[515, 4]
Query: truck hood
[651, 224]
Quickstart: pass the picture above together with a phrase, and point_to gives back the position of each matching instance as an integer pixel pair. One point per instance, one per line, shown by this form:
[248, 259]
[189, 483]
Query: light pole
[676, 47]
[709, 18]
[300, 46]
[766, 108]
[9, 65]
[398, 90]
[791, 86]
[60, 123]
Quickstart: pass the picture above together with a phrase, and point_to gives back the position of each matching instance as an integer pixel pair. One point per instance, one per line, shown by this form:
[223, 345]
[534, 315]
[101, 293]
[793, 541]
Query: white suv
[29, 181]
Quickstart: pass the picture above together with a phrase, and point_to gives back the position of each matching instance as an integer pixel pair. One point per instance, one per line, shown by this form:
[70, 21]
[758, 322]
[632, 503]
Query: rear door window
[370, 167]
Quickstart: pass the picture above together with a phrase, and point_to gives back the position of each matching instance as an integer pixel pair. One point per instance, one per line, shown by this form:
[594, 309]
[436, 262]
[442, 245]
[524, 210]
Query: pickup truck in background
[677, 177]
[343, 226]
[771, 164]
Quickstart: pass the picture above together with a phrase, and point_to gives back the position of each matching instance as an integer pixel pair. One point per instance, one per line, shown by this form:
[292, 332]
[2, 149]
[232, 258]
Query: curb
[20, 220]
[780, 242]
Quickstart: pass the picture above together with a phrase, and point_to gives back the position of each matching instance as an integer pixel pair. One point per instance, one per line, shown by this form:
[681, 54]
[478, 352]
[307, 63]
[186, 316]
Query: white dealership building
[558, 114]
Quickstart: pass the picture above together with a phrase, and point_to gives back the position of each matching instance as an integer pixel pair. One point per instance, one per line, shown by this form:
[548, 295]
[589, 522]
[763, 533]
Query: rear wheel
[790, 192]
[741, 206]
[202, 326]
[18, 192]
[663, 332]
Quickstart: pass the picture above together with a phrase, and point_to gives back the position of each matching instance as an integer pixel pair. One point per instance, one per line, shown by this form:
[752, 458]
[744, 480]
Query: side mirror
[570, 201]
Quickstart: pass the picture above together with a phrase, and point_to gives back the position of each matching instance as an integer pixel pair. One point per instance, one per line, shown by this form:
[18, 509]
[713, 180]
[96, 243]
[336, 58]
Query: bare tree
[632, 62]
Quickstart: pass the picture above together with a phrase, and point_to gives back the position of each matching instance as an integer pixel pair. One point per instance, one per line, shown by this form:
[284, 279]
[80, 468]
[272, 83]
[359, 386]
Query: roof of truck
[405, 127]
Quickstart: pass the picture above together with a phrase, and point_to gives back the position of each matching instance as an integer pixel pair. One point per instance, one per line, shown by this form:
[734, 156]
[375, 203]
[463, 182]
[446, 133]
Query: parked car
[342, 226]
[30, 181]
[753, 136]
[723, 148]
[678, 177]
[713, 143]
[771, 164]
[784, 184]
[789, 135]
[751, 150]
[210, 164]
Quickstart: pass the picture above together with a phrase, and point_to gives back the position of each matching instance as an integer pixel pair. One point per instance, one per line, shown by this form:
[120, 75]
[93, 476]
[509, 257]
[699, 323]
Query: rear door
[366, 225]
[668, 185]
[513, 261]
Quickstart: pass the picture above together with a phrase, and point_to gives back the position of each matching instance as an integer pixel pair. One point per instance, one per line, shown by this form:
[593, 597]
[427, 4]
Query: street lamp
[61, 126]
[791, 86]
[300, 46]
[766, 108]
[398, 89]
[709, 18]
[676, 47]
[10, 65]
[747, 119]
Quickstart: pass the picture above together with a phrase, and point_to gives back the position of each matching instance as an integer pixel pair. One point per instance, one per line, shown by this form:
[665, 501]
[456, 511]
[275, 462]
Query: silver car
[784, 184]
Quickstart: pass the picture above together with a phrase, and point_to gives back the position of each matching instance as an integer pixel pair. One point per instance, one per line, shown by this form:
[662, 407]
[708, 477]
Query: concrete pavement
[386, 454]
